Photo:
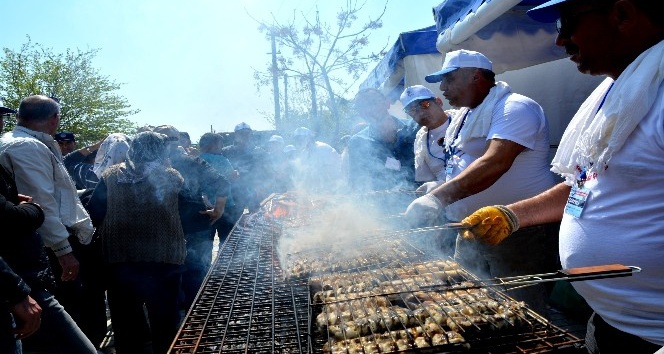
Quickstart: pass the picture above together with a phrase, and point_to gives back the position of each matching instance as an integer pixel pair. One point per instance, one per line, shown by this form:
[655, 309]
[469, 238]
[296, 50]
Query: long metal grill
[386, 299]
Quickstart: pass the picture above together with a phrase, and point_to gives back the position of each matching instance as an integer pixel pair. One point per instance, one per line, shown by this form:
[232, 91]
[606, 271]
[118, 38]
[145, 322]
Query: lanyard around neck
[429, 146]
[452, 150]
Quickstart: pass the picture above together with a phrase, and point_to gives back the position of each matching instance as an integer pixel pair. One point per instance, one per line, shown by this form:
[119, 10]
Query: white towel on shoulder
[593, 136]
[478, 122]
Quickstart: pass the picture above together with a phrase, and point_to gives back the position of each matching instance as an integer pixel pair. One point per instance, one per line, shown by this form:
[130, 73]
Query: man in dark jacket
[200, 180]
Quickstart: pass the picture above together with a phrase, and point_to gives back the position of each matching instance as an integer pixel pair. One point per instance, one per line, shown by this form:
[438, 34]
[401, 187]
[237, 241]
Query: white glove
[425, 211]
[427, 187]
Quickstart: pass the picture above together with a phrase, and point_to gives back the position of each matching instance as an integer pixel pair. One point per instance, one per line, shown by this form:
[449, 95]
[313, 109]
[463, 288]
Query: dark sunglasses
[565, 25]
[417, 106]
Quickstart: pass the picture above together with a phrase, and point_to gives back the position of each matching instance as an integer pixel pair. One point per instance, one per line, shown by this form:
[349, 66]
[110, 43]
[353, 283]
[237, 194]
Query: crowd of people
[127, 222]
[131, 219]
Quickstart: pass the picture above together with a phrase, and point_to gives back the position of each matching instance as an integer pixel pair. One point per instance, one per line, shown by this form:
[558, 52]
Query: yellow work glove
[490, 224]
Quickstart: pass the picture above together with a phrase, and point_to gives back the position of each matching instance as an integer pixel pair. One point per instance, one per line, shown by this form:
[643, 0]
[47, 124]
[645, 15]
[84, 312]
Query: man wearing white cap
[612, 158]
[427, 110]
[318, 166]
[496, 149]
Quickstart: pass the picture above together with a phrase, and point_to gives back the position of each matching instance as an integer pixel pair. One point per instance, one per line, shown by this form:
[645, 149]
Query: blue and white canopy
[500, 29]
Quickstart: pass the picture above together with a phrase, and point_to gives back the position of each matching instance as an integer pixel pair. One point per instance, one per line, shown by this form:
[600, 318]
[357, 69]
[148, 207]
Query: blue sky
[185, 63]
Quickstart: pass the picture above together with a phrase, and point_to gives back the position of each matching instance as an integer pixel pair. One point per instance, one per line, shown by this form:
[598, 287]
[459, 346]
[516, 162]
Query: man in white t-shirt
[496, 149]
[427, 110]
[612, 158]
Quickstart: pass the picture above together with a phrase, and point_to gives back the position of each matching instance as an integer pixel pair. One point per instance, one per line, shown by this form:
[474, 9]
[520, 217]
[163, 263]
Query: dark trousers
[196, 265]
[134, 285]
[531, 250]
[8, 342]
[92, 317]
[602, 338]
[84, 298]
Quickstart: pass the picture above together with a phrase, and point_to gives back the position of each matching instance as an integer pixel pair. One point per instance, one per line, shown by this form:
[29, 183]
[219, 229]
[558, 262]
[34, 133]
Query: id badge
[393, 164]
[576, 201]
[450, 166]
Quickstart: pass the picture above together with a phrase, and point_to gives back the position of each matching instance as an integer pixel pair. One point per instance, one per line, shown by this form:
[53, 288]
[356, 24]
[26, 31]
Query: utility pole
[275, 84]
[285, 97]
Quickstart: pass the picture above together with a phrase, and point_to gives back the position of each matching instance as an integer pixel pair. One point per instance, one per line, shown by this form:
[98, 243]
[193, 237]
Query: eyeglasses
[417, 106]
[567, 24]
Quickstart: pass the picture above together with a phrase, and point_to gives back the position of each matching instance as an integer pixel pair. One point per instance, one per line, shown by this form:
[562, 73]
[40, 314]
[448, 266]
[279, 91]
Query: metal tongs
[570, 275]
[448, 226]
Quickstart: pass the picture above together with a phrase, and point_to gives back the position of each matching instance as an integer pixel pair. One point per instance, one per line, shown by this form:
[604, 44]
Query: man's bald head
[40, 113]
[37, 108]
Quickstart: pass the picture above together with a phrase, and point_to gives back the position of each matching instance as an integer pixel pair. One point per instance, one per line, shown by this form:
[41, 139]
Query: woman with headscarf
[112, 151]
[135, 207]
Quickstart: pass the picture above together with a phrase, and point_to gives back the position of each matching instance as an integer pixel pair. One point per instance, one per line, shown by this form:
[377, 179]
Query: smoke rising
[340, 232]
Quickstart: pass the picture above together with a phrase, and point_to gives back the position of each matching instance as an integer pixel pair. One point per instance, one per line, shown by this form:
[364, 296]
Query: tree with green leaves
[319, 56]
[90, 106]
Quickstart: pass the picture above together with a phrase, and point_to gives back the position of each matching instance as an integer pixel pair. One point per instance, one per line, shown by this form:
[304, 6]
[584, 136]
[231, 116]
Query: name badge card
[576, 201]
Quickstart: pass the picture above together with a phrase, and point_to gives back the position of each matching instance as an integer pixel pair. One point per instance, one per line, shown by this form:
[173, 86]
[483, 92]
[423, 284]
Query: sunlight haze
[187, 63]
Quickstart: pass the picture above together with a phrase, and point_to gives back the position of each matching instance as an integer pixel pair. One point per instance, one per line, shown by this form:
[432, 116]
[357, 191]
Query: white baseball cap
[302, 131]
[415, 93]
[276, 138]
[460, 59]
[242, 126]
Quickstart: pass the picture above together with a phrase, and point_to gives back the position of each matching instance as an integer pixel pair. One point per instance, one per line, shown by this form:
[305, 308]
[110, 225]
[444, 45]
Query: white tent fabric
[500, 29]
[523, 53]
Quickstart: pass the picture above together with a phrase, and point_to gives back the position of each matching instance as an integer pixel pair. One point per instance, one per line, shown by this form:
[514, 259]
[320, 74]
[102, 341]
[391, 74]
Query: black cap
[64, 136]
[4, 110]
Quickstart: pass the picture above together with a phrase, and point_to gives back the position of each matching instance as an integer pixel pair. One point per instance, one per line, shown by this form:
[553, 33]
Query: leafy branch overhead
[89, 105]
[319, 54]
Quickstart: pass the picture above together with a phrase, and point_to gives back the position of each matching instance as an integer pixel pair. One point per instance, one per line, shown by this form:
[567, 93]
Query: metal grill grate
[242, 306]
[249, 304]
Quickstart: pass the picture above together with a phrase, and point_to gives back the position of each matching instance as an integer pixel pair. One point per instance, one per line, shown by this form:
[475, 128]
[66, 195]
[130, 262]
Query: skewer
[572, 274]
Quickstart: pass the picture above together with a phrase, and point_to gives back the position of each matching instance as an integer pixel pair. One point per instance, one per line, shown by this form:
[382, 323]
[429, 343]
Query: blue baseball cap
[547, 12]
